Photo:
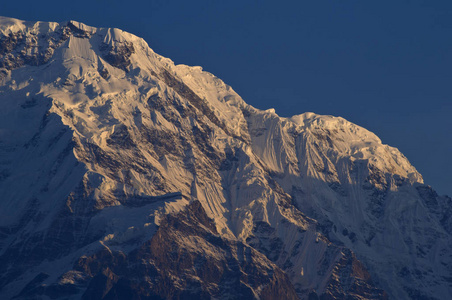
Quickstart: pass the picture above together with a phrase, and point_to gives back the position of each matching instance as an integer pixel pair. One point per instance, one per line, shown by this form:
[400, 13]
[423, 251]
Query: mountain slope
[109, 151]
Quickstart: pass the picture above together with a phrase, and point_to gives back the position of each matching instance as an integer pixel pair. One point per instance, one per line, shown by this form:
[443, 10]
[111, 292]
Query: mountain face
[124, 176]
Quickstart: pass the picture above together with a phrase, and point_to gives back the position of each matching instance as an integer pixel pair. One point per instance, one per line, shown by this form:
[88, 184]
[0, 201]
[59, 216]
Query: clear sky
[384, 65]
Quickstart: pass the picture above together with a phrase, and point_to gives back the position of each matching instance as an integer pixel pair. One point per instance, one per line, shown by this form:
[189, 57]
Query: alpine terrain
[125, 176]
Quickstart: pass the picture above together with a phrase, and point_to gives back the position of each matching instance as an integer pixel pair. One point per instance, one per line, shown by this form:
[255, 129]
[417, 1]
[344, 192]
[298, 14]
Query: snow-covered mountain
[124, 176]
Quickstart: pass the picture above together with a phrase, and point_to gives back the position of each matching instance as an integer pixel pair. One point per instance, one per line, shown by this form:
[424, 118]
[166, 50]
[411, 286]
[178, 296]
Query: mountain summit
[124, 176]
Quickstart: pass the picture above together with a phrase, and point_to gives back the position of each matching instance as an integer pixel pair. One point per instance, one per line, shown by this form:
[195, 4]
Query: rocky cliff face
[123, 175]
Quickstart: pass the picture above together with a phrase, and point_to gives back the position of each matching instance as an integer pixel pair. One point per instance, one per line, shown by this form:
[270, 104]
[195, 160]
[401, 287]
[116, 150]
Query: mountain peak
[114, 160]
[81, 26]
[10, 25]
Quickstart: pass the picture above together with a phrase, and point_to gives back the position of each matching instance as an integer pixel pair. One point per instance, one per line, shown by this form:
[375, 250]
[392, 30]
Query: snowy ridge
[118, 139]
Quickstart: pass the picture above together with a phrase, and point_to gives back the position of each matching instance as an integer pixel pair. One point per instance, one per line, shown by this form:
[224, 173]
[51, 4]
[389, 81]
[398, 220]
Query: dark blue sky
[384, 65]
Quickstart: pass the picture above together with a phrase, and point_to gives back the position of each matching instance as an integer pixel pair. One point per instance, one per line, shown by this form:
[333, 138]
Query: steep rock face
[184, 259]
[133, 177]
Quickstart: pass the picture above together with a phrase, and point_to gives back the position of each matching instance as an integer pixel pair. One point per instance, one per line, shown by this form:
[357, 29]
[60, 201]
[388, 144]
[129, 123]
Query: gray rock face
[123, 176]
